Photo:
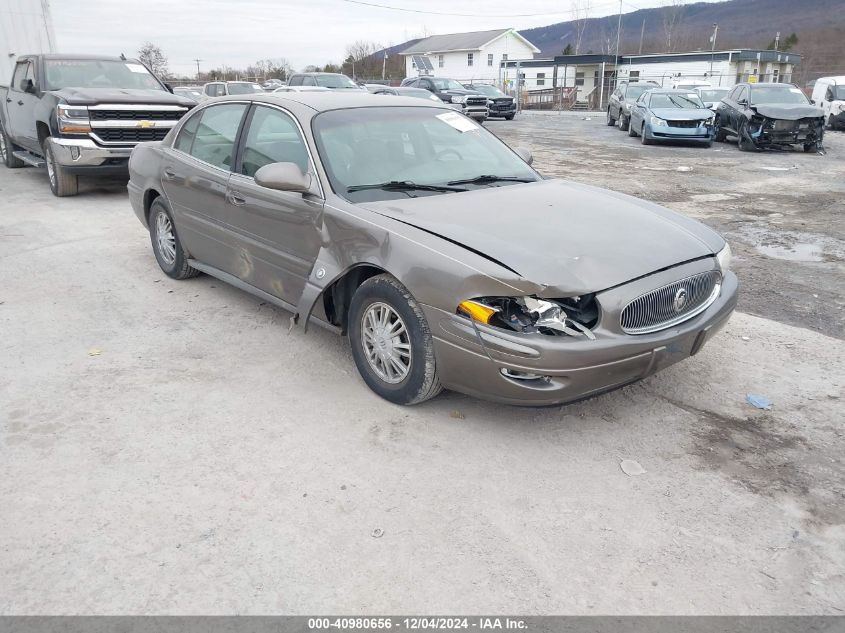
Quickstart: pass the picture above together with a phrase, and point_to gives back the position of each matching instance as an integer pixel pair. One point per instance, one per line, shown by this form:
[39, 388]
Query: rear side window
[214, 139]
[273, 137]
[185, 140]
[296, 80]
[308, 81]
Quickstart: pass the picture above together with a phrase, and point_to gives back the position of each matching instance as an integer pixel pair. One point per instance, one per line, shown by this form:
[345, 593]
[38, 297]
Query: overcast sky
[236, 33]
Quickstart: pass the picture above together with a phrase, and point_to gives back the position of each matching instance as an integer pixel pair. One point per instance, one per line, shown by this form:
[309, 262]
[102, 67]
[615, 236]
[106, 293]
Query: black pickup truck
[82, 115]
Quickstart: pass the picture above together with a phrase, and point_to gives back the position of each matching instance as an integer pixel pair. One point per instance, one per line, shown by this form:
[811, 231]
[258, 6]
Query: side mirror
[524, 154]
[743, 102]
[27, 85]
[283, 177]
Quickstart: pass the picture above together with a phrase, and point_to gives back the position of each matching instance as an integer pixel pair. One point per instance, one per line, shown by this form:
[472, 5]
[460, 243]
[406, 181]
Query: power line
[463, 15]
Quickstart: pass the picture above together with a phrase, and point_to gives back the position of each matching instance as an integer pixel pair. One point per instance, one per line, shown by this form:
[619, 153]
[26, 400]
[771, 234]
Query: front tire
[624, 122]
[643, 138]
[610, 120]
[62, 184]
[719, 134]
[167, 248]
[391, 342]
[6, 149]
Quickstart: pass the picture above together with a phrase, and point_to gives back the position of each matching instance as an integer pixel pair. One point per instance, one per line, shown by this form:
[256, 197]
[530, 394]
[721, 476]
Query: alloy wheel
[51, 168]
[165, 239]
[2, 146]
[386, 343]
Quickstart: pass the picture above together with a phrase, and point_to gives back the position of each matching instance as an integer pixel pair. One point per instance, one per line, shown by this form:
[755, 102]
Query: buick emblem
[680, 299]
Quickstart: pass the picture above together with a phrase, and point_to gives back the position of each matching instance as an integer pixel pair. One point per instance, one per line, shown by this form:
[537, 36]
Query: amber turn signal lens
[477, 311]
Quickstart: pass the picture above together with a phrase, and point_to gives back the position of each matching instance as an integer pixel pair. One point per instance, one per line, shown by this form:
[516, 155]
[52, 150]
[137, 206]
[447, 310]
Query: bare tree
[672, 16]
[580, 15]
[154, 59]
[362, 56]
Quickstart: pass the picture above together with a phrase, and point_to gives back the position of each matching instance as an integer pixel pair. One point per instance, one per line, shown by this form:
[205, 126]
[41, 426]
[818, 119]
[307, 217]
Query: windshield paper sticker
[136, 68]
[458, 121]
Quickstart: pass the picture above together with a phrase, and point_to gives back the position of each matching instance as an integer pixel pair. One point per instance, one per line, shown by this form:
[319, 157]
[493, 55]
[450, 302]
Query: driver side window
[21, 73]
[272, 138]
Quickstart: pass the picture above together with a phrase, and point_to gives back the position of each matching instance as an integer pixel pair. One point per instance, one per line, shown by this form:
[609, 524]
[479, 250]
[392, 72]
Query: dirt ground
[170, 448]
[783, 212]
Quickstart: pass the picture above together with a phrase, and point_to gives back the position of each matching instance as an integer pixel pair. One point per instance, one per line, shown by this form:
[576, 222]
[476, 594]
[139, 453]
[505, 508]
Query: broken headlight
[723, 258]
[574, 316]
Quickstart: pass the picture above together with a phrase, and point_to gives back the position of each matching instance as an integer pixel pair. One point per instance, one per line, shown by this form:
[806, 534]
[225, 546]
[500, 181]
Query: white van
[829, 93]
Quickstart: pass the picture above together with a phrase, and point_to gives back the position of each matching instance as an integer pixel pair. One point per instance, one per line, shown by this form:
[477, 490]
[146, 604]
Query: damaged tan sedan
[447, 260]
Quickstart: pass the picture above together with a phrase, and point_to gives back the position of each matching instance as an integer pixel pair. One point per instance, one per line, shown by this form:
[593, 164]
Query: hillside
[819, 25]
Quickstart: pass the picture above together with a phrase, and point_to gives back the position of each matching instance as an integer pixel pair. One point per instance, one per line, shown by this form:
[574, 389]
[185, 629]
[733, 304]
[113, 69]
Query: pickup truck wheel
[391, 342]
[166, 246]
[62, 184]
[6, 149]
[509, 117]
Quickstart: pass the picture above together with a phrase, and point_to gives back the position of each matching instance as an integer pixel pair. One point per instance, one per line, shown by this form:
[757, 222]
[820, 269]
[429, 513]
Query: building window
[775, 76]
[469, 59]
[579, 79]
[504, 57]
[489, 59]
[634, 75]
[440, 61]
[541, 79]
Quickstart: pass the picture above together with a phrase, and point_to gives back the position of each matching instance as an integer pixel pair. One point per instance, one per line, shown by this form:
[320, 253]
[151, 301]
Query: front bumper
[476, 112]
[83, 156]
[470, 356]
[700, 133]
[503, 111]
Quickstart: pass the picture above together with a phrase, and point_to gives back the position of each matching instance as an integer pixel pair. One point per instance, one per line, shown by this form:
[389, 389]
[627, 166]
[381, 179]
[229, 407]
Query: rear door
[195, 175]
[20, 106]
[277, 232]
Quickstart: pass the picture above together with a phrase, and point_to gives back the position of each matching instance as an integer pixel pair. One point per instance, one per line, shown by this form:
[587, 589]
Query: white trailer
[26, 26]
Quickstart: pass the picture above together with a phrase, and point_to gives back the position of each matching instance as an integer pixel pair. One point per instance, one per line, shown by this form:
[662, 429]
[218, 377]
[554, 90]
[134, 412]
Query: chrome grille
[671, 304]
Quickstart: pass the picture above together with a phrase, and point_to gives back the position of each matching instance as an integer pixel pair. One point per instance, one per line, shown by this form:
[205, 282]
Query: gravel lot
[169, 447]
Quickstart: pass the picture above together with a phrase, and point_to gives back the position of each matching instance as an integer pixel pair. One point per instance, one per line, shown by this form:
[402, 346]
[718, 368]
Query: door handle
[20, 102]
[169, 173]
[8, 100]
[236, 199]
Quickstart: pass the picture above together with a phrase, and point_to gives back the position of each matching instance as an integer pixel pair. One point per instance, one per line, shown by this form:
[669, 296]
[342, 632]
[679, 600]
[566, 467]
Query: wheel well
[338, 296]
[149, 197]
[43, 132]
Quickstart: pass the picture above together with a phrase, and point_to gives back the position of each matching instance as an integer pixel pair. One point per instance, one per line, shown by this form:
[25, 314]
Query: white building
[25, 27]
[469, 57]
[718, 68]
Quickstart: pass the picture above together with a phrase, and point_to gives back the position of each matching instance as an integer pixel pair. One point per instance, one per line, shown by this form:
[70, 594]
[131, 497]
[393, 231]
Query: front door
[195, 174]
[277, 232]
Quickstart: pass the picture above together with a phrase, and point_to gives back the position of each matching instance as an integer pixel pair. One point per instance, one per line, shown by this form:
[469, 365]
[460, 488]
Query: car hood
[682, 114]
[787, 111]
[462, 92]
[95, 96]
[574, 237]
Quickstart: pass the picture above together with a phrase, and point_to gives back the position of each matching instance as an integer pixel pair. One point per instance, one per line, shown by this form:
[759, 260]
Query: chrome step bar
[29, 158]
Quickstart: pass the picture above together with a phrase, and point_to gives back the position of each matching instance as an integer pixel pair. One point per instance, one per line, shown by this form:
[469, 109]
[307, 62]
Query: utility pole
[618, 29]
[777, 40]
[198, 68]
[383, 65]
[713, 48]
[642, 32]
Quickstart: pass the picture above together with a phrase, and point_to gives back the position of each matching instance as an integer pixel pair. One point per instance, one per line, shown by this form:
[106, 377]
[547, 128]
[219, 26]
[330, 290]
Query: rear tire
[62, 184]
[167, 248]
[624, 122]
[6, 149]
[394, 356]
[610, 120]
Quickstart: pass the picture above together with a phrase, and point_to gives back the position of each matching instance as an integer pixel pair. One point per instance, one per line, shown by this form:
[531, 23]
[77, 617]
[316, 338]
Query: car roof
[105, 58]
[317, 73]
[334, 100]
[670, 91]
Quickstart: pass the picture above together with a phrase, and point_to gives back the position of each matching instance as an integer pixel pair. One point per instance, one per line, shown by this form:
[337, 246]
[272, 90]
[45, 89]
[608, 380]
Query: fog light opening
[74, 153]
[522, 375]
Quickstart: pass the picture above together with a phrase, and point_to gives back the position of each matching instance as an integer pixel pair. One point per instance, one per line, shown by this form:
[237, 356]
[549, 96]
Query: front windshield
[335, 81]
[777, 94]
[490, 91]
[425, 146]
[713, 95]
[635, 91]
[243, 88]
[676, 100]
[447, 84]
[838, 91]
[91, 73]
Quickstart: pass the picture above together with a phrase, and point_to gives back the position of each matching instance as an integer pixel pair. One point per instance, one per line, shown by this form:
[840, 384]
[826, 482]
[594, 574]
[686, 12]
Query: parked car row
[759, 115]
